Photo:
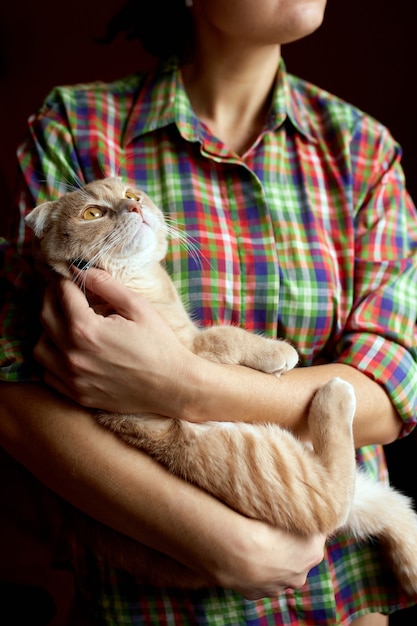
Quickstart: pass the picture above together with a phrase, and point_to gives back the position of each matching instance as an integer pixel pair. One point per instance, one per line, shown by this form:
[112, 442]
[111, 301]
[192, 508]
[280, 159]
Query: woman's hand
[129, 361]
[269, 561]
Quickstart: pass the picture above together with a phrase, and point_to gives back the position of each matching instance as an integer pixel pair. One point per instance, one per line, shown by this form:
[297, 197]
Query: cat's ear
[39, 218]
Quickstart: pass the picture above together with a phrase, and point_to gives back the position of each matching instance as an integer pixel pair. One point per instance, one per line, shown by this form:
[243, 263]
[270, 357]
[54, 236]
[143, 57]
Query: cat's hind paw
[337, 399]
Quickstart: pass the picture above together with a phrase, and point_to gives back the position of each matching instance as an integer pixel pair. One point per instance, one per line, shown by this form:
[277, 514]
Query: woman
[298, 202]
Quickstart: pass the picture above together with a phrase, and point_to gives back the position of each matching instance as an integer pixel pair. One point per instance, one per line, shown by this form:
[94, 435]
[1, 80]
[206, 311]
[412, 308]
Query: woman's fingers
[100, 283]
[273, 561]
[127, 361]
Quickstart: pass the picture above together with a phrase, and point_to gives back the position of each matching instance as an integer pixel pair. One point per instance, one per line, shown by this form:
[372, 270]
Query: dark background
[366, 53]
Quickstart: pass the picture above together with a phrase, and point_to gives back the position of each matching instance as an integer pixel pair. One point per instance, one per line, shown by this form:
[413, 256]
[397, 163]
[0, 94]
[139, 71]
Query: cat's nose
[135, 207]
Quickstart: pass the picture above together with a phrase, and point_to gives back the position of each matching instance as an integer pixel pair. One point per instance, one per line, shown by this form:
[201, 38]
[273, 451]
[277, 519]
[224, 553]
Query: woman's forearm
[88, 466]
[234, 393]
[67, 450]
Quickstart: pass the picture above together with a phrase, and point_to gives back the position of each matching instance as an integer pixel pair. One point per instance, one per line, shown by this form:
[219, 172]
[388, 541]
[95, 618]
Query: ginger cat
[262, 471]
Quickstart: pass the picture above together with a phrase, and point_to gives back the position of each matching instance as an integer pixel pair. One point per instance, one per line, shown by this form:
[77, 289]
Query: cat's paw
[337, 397]
[277, 357]
[231, 344]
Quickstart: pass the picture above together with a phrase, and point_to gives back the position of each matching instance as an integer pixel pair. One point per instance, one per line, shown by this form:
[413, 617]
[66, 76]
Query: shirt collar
[163, 101]
[287, 104]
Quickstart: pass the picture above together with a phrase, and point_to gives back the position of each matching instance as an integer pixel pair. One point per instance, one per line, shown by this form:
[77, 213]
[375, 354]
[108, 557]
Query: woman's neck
[231, 92]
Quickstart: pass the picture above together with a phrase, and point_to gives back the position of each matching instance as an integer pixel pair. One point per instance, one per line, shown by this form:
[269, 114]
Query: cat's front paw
[277, 357]
[231, 344]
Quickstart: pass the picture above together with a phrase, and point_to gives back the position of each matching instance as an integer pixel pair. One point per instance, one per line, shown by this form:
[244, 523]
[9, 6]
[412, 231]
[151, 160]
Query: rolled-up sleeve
[380, 335]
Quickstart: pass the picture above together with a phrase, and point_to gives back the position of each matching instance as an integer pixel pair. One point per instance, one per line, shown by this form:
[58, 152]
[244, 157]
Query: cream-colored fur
[263, 471]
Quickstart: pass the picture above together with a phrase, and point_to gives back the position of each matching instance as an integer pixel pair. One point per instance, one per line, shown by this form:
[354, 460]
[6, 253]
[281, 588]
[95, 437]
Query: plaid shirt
[308, 236]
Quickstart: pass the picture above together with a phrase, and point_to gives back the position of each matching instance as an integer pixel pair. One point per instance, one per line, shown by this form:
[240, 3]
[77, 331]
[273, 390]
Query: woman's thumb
[103, 285]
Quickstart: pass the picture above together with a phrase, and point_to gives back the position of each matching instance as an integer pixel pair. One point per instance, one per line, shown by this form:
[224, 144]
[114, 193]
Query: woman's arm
[133, 362]
[65, 448]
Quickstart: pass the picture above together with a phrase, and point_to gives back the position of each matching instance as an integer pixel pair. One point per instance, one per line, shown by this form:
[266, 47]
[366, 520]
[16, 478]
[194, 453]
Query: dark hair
[164, 27]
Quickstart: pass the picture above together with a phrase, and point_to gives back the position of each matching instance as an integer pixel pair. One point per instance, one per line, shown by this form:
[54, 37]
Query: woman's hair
[164, 27]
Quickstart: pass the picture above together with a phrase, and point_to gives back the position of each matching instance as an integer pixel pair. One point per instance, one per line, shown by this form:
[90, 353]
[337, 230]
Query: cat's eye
[131, 195]
[93, 213]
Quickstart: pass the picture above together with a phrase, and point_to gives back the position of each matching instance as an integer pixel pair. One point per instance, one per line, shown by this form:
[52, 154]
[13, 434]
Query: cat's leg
[379, 511]
[330, 422]
[231, 344]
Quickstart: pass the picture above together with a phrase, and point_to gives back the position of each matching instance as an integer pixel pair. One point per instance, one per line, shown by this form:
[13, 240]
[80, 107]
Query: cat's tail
[380, 511]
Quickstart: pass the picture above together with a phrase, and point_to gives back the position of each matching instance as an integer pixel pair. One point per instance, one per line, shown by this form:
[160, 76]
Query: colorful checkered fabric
[309, 236]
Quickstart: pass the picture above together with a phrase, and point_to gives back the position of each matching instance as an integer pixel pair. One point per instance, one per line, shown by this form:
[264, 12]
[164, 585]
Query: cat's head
[108, 223]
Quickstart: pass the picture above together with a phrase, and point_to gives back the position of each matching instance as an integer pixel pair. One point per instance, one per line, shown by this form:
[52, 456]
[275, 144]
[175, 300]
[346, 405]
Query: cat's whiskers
[76, 184]
[189, 244]
[91, 258]
[63, 186]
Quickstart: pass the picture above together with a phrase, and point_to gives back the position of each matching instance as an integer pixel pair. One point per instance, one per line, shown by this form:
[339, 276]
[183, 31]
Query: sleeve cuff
[389, 364]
